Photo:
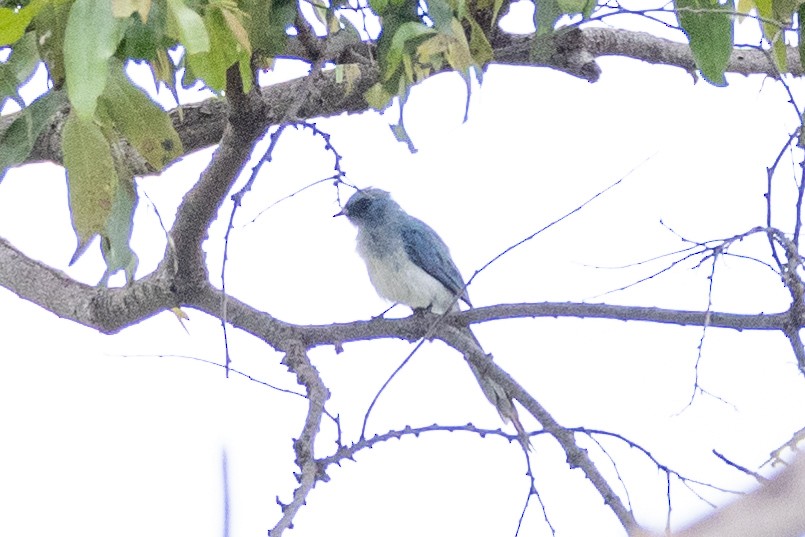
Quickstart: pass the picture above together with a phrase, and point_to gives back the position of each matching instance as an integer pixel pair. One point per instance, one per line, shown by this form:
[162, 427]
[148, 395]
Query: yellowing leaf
[773, 32]
[405, 33]
[91, 176]
[237, 29]
[433, 46]
[378, 97]
[14, 22]
[458, 52]
[122, 9]
[347, 73]
[744, 6]
[181, 316]
[224, 52]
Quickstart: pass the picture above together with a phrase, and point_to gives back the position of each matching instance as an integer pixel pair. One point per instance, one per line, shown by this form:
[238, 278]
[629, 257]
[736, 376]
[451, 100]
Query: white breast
[396, 278]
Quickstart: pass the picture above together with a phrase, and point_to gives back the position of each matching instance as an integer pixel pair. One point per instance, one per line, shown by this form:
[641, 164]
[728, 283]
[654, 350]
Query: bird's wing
[429, 252]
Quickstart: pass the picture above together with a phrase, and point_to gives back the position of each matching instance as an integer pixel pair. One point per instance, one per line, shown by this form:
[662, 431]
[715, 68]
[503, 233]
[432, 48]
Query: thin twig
[560, 219]
[760, 479]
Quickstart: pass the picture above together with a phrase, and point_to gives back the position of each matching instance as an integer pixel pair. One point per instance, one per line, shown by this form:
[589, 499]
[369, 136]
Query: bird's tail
[499, 397]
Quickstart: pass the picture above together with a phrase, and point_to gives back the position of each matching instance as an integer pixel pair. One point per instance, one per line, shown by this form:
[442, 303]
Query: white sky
[113, 435]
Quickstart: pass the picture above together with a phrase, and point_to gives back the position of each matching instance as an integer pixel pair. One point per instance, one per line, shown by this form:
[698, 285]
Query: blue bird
[408, 263]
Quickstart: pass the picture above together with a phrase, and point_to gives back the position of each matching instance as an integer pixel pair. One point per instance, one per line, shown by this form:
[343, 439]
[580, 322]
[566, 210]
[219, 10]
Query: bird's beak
[342, 212]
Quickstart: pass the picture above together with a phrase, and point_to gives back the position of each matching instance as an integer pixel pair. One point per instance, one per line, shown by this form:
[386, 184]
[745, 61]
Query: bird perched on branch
[410, 264]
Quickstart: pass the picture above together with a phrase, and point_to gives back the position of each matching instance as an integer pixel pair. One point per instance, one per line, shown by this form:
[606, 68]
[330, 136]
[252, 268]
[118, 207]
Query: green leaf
[784, 11]
[189, 27]
[497, 4]
[91, 177]
[480, 48]
[19, 138]
[90, 39]
[401, 135]
[398, 129]
[51, 24]
[142, 40]
[546, 13]
[441, 13]
[266, 23]
[709, 28]
[19, 68]
[407, 32]
[116, 237]
[773, 32]
[585, 7]
[801, 34]
[378, 6]
[225, 51]
[13, 22]
[139, 120]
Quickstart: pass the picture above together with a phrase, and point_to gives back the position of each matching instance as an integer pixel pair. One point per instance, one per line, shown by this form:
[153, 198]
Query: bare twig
[576, 456]
[311, 470]
[760, 479]
[561, 218]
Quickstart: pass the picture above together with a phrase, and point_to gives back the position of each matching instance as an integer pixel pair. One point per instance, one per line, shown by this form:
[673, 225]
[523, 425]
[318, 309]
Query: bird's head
[370, 205]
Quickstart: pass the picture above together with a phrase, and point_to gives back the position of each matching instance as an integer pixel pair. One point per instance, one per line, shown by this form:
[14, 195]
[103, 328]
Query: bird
[409, 263]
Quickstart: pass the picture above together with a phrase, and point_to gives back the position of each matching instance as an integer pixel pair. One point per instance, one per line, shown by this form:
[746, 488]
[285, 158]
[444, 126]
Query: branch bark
[574, 51]
[111, 310]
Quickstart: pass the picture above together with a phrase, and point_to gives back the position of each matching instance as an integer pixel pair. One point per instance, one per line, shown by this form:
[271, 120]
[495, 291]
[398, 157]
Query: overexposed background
[123, 435]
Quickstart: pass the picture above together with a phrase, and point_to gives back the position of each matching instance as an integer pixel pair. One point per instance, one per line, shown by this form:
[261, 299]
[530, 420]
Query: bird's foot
[384, 313]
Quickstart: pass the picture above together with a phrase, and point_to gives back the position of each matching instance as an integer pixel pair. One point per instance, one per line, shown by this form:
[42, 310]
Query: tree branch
[111, 310]
[311, 470]
[577, 457]
[774, 510]
[105, 310]
[574, 51]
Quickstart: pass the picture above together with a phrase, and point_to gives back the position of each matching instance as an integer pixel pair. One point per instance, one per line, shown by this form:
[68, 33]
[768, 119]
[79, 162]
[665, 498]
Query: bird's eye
[360, 207]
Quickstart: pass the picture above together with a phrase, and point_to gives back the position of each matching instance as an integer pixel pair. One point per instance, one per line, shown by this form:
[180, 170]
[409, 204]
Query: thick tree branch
[760, 321]
[201, 203]
[575, 52]
[106, 310]
[599, 42]
[111, 310]
[200, 207]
